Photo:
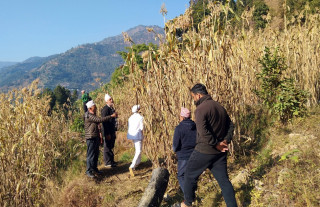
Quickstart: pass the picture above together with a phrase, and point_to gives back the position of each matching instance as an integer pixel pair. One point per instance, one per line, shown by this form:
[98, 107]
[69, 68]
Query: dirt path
[114, 187]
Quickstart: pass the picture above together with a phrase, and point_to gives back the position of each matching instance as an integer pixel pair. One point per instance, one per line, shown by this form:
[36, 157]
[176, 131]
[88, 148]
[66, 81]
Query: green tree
[260, 12]
[242, 5]
[74, 96]
[62, 95]
[298, 5]
[200, 10]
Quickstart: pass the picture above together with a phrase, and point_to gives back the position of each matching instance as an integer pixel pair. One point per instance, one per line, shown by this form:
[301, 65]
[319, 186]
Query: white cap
[107, 97]
[89, 104]
[135, 108]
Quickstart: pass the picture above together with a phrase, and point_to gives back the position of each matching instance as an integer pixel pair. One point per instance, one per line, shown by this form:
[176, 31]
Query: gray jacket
[91, 123]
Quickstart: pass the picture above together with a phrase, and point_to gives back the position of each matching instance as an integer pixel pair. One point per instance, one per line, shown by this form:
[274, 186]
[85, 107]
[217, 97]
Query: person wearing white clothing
[135, 133]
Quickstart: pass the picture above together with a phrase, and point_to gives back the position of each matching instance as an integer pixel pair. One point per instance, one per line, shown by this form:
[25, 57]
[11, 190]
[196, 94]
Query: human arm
[223, 146]
[230, 131]
[96, 119]
[176, 144]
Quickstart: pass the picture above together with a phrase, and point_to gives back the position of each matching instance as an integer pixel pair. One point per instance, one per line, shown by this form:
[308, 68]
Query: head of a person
[135, 108]
[109, 100]
[197, 91]
[184, 114]
[83, 91]
[91, 107]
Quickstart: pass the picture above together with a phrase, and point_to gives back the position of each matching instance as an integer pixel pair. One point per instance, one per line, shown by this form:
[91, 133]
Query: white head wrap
[107, 97]
[89, 104]
[135, 108]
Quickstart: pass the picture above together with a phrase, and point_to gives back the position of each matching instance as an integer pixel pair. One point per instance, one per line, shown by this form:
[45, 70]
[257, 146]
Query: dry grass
[113, 188]
[33, 145]
[226, 61]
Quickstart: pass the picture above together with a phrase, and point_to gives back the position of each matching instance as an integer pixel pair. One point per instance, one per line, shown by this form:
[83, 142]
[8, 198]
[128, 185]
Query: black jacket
[108, 127]
[213, 125]
[184, 139]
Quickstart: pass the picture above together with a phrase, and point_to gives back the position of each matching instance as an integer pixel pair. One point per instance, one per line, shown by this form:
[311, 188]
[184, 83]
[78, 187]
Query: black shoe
[90, 175]
[97, 172]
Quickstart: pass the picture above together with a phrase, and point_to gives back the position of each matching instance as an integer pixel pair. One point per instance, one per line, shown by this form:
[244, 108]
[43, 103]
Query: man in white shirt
[135, 127]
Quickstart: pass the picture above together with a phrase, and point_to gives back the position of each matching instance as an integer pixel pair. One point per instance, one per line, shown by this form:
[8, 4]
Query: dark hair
[199, 88]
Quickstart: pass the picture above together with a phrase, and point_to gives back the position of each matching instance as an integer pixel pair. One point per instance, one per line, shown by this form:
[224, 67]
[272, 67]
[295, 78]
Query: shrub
[278, 93]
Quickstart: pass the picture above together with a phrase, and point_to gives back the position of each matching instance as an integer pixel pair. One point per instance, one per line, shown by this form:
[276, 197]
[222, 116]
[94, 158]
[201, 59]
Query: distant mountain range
[6, 64]
[82, 67]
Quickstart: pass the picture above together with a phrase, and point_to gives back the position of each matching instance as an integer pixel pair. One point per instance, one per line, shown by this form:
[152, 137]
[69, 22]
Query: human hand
[222, 146]
[108, 137]
[101, 139]
[114, 115]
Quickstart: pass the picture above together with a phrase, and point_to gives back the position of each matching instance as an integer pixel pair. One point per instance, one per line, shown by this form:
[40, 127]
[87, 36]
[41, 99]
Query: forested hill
[6, 64]
[82, 67]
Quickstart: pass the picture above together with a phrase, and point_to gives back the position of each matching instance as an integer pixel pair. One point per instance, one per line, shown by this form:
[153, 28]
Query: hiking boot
[90, 174]
[131, 172]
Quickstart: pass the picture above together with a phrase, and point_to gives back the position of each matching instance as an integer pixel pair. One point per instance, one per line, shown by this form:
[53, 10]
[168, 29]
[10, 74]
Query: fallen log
[156, 188]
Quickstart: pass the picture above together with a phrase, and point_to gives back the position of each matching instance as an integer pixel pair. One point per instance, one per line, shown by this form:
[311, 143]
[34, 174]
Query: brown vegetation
[34, 145]
[226, 61]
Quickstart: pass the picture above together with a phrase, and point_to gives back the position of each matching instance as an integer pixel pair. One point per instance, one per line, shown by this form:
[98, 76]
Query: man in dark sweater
[92, 135]
[109, 132]
[184, 141]
[214, 132]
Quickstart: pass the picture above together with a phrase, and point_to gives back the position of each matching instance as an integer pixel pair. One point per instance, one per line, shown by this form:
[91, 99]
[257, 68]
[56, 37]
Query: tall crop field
[222, 57]
[34, 145]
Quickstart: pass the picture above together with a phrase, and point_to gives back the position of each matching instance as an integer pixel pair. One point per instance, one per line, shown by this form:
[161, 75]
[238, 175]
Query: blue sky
[45, 27]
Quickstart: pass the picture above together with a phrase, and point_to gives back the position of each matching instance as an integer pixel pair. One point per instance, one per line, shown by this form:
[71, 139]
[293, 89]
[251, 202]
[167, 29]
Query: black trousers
[108, 146]
[217, 164]
[182, 164]
[92, 154]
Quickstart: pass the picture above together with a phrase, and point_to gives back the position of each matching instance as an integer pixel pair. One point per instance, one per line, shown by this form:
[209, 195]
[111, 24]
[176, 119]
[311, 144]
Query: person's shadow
[121, 169]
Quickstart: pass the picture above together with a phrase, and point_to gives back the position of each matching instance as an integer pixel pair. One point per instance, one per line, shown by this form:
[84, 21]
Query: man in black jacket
[184, 141]
[109, 132]
[92, 133]
[214, 132]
